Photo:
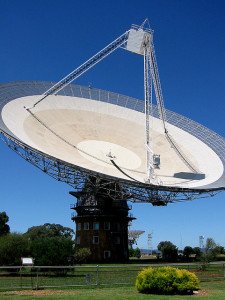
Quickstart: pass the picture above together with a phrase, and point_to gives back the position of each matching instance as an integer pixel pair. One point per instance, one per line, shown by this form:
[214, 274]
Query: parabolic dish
[87, 128]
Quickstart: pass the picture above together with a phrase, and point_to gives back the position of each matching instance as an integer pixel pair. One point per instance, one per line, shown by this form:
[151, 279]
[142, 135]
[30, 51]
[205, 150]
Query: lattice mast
[201, 242]
[150, 242]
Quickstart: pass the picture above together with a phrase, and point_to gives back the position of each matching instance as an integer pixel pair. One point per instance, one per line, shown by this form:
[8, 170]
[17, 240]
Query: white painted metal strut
[162, 111]
[157, 85]
[120, 41]
[148, 114]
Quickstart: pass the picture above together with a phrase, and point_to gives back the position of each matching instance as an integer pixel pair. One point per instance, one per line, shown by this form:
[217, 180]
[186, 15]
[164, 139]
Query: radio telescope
[75, 133]
[111, 148]
[133, 236]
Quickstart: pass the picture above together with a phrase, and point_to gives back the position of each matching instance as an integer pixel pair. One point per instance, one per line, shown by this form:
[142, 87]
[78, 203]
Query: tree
[51, 251]
[51, 244]
[211, 250]
[13, 246]
[187, 252]
[4, 228]
[219, 249]
[135, 252]
[210, 253]
[198, 253]
[210, 245]
[49, 231]
[169, 251]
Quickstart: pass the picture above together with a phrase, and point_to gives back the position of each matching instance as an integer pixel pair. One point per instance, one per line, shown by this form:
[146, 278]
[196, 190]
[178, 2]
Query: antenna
[64, 138]
[201, 242]
[113, 148]
[150, 242]
[133, 236]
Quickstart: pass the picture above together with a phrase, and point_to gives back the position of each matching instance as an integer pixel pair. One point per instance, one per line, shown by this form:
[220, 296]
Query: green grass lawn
[110, 277]
[106, 275]
[213, 290]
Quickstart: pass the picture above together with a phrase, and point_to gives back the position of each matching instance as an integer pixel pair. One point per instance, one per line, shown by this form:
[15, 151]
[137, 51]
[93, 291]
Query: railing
[38, 277]
[73, 206]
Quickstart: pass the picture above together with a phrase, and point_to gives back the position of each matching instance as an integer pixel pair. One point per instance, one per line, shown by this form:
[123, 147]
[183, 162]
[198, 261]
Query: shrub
[82, 254]
[166, 280]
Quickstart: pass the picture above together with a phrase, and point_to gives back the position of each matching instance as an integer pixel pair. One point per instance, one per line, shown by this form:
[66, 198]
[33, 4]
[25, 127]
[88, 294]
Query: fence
[38, 277]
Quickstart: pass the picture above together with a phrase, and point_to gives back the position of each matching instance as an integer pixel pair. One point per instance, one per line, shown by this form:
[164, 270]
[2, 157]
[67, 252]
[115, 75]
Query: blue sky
[46, 39]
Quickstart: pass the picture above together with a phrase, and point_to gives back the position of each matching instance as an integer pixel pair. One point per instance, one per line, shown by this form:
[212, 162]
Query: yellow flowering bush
[166, 280]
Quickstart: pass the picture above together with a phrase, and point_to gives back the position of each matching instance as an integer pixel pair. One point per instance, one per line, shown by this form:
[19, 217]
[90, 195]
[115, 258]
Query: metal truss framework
[139, 40]
[78, 177]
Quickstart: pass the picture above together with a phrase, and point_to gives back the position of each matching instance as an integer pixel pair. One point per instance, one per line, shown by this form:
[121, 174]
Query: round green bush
[166, 280]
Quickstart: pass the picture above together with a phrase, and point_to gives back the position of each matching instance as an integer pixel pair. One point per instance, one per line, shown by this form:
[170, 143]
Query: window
[77, 239]
[78, 226]
[95, 239]
[86, 225]
[106, 225]
[96, 226]
[107, 254]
